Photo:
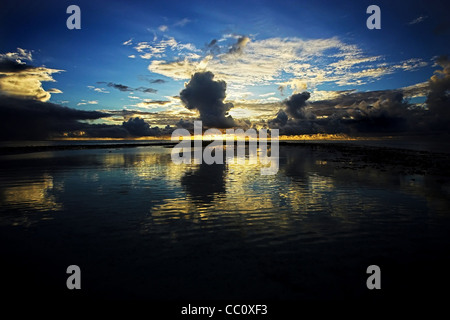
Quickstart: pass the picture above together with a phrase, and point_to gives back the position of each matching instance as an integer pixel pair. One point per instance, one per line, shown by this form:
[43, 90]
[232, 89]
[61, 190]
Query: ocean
[142, 227]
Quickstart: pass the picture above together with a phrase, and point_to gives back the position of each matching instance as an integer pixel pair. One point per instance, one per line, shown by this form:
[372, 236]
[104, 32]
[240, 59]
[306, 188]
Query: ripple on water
[148, 209]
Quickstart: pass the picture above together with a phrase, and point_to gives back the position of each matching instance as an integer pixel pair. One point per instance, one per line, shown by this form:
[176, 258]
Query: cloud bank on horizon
[326, 82]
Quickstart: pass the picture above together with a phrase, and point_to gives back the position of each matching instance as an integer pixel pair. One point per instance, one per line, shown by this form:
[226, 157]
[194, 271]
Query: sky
[144, 68]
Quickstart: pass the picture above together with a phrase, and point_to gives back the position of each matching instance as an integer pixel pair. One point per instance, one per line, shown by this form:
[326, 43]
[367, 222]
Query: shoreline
[351, 155]
[32, 149]
[7, 150]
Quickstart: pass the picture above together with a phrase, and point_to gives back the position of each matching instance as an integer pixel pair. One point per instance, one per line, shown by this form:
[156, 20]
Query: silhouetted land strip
[29, 149]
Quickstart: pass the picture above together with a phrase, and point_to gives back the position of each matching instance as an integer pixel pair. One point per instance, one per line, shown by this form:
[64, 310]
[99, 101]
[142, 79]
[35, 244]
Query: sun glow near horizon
[230, 137]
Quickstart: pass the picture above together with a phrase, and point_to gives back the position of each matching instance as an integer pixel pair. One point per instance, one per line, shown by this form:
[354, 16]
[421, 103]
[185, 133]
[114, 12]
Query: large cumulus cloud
[207, 96]
[295, 106]
[295, 118]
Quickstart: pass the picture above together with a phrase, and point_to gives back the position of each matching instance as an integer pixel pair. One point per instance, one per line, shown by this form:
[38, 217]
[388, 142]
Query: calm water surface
[140, 226]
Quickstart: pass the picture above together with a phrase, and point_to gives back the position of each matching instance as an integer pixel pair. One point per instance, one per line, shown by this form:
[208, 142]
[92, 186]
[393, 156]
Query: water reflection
[205, 182]
[34, 194]
[21, 196]
[309, 182]
[135, 213]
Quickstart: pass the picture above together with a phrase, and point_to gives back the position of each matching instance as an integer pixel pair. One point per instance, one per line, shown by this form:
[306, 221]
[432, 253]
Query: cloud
[178, 70]
[158, 102]
[345, 111]
[146, 90]
[438, 99]
[383, 111]
[131, 56]
[349, 112]
[54, 90]
[307, 63]
[185, 124]
[280, 120]
[169, 116]
[182, 22]
[152, 81]
[32, 119]
[206, 95]
[213, 48]
[101, 131]
[296, 85]
[163, 28]
[157, 81]
[212, 43]
[138, 127]
[320, 95]
[28, 119]
[417, 20]
[155, 49]
[22, 80]
[267, 94]
[119, 87]
[161, 112]
[295, 118]
[128, 42]
[125, 88]
[11, 66]
[239, 46]
[389, 113]
[18, 56]
[343, 100]
[295, 105]
[99, 90]
[152, 104]
[87, 102]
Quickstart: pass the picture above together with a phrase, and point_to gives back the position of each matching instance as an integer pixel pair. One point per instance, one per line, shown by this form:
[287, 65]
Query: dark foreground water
[140, 226]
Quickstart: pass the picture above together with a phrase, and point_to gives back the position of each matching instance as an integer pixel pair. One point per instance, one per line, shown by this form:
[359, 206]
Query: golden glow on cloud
[26, 82]
[262, 62]
[296, 85]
